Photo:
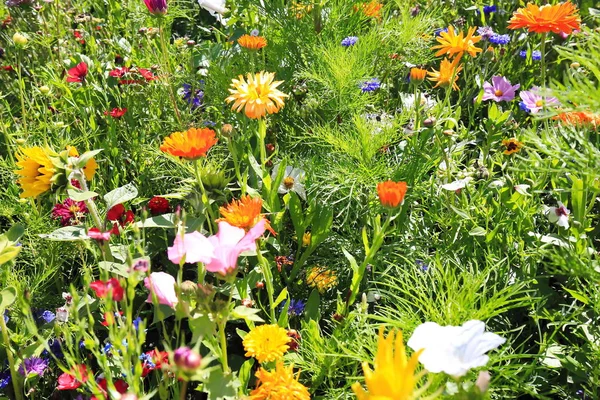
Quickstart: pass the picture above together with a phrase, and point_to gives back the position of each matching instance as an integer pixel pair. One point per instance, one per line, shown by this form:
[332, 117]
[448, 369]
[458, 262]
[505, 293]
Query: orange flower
[371, 9]
[244, 213]
[455, 45]
[391, 194]
[578, 118]
[191, 144]
[512, 146]
[252, 42]
[448, 73]
[558, 18]
[417, 75]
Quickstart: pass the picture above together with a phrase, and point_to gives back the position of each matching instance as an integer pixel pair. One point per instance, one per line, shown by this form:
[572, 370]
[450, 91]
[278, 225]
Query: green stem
[266, 270]
[183, 392]
[262, 134]
[11, 361]
[222, 334]
[166, 58]
[417, 104]
[22, 91]
[209, 216]
[543, 60]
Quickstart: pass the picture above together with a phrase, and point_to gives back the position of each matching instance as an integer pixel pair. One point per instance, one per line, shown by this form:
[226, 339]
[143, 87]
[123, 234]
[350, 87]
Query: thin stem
[183, 392]
[11, 361]
[417, 104]
[266, 270]
[22, 90]
[210, 218]
[166, 58]
[262, 134]
[543, 60]
[222, 334]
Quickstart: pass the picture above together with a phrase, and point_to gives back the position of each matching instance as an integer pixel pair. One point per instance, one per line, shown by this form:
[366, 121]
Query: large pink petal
[229, 235]
[194, 246]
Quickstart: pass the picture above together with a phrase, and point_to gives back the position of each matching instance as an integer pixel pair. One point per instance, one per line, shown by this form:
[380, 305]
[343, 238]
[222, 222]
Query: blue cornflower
[421, 264]
[499, 39]
[370, 85]
[523, 53]
[43, 317]
[4, 379]
[33, 365]
[524, 107]
[195, 99]
[147, 360]
[107, 347]
[209, 123]
[296, 307]
[136, 323]
[489, 9]
[536, 55]
[438, 31]
[485, 32]
[349, 41]
[55, 348]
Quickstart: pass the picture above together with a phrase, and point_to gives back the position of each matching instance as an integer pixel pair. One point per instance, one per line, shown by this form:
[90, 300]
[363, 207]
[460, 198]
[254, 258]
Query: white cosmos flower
[453, 350]
[292, 180]
[458, 184]
[559, 215]
[216, 8]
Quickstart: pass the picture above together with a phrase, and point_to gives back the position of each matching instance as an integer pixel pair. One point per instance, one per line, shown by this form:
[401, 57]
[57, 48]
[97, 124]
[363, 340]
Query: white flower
[458, 184]
[216, 8]
[292, 180]
[496, 184]
[453, 350]
[426, 103]
[62, 314]
[522, 189]
[559, 215]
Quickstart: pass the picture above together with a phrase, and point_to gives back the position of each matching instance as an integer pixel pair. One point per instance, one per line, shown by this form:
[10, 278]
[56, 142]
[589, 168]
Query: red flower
[116, 112]
[95, 233]
[79, 36]
[69, 212]
[118, 214]
[118, 72]
[8, 68]
[109, 318]
[68, 381]
[77, 73]
[120, 385]
[102, 289]
[158, 205]
[148, 75]
[154, 360]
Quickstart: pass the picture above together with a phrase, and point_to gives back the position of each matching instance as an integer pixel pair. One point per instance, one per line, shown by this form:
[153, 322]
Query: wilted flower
[559, 215]
[266, 343]
[70, 212]
[292, 181]
[349, 41]
[453, 350]
[162, 285]
[500, 89]
[258, 96]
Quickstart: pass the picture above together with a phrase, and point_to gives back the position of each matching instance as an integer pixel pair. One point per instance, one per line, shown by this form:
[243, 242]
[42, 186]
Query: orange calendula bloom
[448, 73]
[512, 146]
[89, 170]
[393, 377]
[391, 194]
[280, 384]
[191, 144]
[417, 75]
[558, 18]
[257, 96]
[252, 42]
[578, 118]
[244, 213]
[371, 9]
[36, 173]
[452, 44]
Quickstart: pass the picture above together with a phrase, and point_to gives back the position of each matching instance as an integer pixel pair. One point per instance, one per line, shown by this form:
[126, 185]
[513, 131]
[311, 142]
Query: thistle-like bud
[187, 359]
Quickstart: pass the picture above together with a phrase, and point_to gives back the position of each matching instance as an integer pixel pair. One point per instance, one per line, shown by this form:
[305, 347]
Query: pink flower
[69, 212]
[220, 252]
[163, 286]
[94, 233]
[534, 101]
[500, 89]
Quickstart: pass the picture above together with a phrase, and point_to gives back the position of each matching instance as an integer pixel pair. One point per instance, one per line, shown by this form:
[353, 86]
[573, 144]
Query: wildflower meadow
[299, 199]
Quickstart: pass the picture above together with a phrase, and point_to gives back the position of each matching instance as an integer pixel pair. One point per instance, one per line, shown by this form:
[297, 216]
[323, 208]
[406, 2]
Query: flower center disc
[539, 103]
[498, 93]
[288, 182]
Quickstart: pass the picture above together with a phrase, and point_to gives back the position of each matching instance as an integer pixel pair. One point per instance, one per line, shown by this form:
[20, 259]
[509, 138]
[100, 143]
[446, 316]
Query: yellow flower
[301, 9]
[448, 73]
[266, 343]
[37, 171]
[306, 239]
[89, 170]
[455, 45]
[280, 384]
[512, 146]
[321, 278]
[252, 42]
[258, 96]
[393, 377]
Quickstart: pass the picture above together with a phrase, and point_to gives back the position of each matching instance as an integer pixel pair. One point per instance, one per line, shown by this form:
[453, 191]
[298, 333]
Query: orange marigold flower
[512, 146]
[417, 75]
[558, 18]
[244, 213]
[280, 384]
[391, 194]
[448, 73]
[191, 144]
[252, 42]
[371, 9]
[578, 118]
[451, 44]
[257, 96]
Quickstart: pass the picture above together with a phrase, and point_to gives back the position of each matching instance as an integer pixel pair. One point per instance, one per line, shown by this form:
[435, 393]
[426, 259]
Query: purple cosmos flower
[156, 7]
[370, 86]
[33, 365]
[485, 32]
[296, 307]
[4, 379]
[349, 41]
[500, 89]
[499, 39]
[69, 212]
[533, 100]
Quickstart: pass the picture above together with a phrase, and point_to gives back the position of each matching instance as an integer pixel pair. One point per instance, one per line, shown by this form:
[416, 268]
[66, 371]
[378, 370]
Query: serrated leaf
[120, 195]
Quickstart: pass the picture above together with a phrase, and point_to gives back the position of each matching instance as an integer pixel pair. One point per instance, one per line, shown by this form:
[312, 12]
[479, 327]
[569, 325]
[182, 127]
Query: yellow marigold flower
[191, 144]
[557, 18]
[306, 239]
[448, 73]
[89, 170]
[452, 44]
[321, 278]
[37, 171]
[257, 96]
[393, 377]
[301, 9]
[252, 42]
[512, 146]
[280, 384]
[266, 343]
[244, 213]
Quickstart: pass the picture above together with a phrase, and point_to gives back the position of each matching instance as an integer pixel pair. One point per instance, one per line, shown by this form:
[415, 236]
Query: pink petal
[194, 246]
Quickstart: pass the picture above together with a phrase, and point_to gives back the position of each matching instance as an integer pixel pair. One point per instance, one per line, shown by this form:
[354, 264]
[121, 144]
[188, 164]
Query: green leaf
[245, 372]
[312, 310]
[15, 233]
[8, 253]
[282, 296]
[120, 195]
[578, 296]
[283, 317]
[162, 312]
[352, 261]
[115, 268]
[201, 327]
[78, 195]
[247, 313]
[460, 213]
[321, 226]
[577, 200]
[296, 214]
[82, 160]
[478, 231]
[67, 234]
[159, 221]
[7, 297]
[220, 386]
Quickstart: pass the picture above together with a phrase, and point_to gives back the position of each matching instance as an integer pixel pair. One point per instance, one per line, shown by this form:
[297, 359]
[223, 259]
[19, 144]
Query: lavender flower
[489, 9]
[500, 90]
[370, 86]
[499, 39]
[349, 41]
[485, 32]
[534, 102]
[33, 365]
[296, 307]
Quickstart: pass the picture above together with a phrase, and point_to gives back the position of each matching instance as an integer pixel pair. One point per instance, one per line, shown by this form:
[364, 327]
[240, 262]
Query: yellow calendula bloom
[448, 73]
[321, 278]
[266, 343]
[36, 171]
[257, 96]
[280, 384]
[89, 170]
[393, 376]
[451, 44]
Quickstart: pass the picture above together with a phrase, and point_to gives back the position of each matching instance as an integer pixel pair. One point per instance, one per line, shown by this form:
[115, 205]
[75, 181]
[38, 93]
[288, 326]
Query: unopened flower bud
[188, 288]
[575, 65]
[429, 122]
[44, 89]
[270, 147]
[448, 132]
[260, 285]
[226, 130]
[19, 39]
[187, 359]
[191, 43]
[20, 141]
[483, 381]
[247, 303]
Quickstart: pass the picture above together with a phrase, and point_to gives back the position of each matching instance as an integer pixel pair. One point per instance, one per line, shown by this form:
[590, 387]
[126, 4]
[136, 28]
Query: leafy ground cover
[292, 200]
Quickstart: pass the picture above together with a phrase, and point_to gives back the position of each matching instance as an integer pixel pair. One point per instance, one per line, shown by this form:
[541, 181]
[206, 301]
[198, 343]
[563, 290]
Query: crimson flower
[152, 360]
[158, 205]
[95, 233]
[116, 112]
[120, 215]
[69, 212]
[120, 385]
[68, 381]
[109, 318]
[77, 73]
[128, 76]
[7, 68]
[79, 37]
[112, 286]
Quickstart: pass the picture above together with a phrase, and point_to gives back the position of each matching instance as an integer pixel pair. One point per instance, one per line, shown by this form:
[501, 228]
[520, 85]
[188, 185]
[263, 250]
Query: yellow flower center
[74, 209]
[539, 103]
[498, 93]
[288, 182]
